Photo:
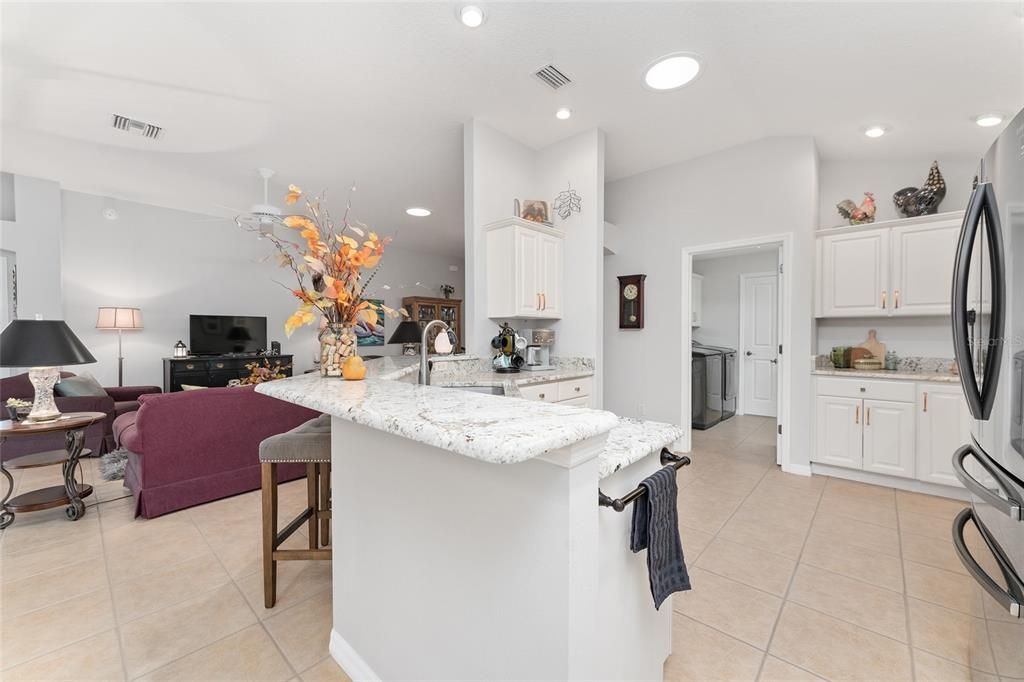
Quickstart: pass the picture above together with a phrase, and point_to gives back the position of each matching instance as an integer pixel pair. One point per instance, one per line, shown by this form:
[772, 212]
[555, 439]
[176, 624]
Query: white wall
[173, 263]
[497, 171]
[849, 179]
[720, 299]
[909, 336]
[765, 187]
[35, 237]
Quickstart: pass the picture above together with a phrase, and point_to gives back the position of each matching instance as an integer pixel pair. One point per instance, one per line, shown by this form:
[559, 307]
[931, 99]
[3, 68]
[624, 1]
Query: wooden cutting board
[872, 345]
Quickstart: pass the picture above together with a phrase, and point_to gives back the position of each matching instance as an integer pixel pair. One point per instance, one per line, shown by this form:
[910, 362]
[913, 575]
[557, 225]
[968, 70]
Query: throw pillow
[79, 386]
[189, 387]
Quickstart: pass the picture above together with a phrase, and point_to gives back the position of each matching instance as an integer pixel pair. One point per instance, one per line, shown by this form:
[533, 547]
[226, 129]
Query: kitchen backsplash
[910, 363]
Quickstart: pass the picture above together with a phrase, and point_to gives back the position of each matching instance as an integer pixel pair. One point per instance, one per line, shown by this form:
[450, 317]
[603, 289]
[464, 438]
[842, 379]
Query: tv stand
[214, 370]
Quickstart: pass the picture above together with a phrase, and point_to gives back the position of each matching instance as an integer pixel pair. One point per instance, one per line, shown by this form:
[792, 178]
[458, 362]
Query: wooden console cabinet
[214, 370]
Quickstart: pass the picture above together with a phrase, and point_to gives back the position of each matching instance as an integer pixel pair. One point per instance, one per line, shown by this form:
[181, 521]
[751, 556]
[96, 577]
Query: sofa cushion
[83, 385]
[125, 432]
[125, 406]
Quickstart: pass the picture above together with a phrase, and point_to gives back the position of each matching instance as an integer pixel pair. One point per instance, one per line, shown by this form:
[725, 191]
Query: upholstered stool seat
[308, 443]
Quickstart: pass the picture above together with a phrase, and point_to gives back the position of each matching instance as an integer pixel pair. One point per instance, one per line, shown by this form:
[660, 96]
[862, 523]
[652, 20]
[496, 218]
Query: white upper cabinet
[903, 268]
[922, 267]
[696, 293]
[855, 274]
[525, 270]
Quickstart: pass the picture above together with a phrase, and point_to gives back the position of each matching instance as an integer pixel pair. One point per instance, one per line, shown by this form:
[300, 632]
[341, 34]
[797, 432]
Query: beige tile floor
[793, 578]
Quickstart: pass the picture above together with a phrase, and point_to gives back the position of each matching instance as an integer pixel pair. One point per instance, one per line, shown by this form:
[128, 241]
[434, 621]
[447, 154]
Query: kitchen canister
[841, 357]
[891, 361]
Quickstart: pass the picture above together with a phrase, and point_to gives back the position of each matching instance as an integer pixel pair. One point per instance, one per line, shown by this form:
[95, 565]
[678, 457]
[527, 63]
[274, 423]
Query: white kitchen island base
[451, 568]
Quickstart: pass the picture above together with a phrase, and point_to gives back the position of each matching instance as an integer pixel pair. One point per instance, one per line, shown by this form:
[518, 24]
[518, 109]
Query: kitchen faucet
[424, 363]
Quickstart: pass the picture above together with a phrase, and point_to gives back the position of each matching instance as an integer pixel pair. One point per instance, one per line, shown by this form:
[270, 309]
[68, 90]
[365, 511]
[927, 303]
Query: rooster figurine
[913, 202]
[858, 215]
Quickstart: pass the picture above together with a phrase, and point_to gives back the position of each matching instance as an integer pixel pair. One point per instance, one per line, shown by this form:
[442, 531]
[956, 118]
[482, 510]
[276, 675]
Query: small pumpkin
[353, 369]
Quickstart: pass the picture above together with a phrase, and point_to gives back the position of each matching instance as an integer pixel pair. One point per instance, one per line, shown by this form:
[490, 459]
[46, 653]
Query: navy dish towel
[656, 529]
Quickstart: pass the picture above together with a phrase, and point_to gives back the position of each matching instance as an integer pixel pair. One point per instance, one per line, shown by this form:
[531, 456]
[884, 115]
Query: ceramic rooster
[858, 215]
[911, 201]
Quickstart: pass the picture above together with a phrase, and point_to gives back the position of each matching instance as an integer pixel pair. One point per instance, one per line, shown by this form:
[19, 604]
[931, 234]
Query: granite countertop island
[466, 530]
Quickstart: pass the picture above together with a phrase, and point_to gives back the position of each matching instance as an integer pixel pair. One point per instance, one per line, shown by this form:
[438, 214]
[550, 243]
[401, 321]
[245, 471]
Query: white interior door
[759, 343]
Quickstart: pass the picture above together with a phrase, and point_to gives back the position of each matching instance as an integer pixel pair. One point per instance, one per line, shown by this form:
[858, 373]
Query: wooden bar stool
[309, 443]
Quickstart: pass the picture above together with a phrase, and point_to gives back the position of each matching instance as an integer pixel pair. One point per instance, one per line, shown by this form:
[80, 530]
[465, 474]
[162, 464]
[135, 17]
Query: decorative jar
[337, 344]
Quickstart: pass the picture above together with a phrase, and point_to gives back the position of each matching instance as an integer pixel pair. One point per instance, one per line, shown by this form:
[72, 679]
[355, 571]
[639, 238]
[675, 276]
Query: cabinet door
[855, 274]
[696, 294]
[889, 438]
[942, 426]
[551, 276]
[922, 268]
[839, 431]
[527, 273]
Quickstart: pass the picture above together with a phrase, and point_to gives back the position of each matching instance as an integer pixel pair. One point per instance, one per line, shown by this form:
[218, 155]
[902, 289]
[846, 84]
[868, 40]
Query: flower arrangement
[333, 264]
[259, 373]
[17, 408]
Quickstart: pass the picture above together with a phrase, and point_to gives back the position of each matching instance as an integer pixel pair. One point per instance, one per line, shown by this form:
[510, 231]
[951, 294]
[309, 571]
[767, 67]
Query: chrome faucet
[424, 363]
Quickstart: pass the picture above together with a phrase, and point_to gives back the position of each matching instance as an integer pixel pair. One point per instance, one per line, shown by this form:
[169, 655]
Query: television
[226, 334]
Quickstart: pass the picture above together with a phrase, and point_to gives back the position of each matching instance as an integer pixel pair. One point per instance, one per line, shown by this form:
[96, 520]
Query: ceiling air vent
[130, 125]
[551, 76]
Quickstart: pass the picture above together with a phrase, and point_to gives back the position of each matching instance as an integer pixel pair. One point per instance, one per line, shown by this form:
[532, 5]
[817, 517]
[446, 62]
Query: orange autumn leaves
[332, 266]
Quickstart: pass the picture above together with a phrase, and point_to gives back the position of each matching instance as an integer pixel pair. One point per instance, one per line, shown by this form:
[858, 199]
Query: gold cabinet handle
[926, 401]
[867, 422]
[883, 300]
[856, 415]
[896, 295]
[543, 301]
[220, 365]
[538, 301]
[190, 366]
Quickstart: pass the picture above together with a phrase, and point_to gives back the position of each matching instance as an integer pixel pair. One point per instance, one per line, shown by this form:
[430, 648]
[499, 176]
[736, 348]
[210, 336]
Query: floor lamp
[119, 319]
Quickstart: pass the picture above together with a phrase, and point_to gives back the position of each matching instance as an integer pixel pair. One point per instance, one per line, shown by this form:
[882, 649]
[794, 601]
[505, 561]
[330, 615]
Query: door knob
[748, 353]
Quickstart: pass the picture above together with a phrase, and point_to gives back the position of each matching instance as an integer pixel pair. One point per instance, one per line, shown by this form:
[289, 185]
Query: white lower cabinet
[889, 438]
[891, 427]
[568, 392]
[943, 424]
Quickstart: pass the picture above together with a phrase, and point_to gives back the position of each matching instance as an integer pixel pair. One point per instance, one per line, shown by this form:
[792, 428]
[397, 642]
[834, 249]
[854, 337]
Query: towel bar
[668, 458]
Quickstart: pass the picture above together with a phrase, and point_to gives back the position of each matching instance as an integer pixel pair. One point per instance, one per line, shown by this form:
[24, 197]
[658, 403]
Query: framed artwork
[371, 335]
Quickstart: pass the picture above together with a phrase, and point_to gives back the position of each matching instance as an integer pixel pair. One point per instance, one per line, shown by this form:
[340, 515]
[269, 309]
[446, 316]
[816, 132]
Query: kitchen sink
[489, 390]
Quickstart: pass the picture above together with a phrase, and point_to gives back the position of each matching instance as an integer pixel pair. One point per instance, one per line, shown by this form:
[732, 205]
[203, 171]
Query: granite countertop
[632, 440]
[497, 429]
[941, 377]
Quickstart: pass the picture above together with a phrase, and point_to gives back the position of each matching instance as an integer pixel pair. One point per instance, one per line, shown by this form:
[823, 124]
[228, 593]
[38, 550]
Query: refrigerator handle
[1011, 506]
[1010, 599]
[980, 399]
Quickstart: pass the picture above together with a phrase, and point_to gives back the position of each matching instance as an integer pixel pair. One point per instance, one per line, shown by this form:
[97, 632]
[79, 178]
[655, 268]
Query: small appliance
[538, 349]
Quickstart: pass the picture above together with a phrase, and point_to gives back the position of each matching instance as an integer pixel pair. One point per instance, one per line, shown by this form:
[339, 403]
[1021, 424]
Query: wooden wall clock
[631, 301]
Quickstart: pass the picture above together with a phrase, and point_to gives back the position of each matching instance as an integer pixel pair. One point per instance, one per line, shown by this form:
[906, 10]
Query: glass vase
[337, 344]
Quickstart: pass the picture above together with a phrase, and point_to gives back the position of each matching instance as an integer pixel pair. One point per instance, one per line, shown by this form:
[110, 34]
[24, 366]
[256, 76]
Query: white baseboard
[908, 484]
[350, 661]
[798, 469]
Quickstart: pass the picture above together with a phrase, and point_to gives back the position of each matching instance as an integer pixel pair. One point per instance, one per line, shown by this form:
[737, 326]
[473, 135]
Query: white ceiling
[376, 93]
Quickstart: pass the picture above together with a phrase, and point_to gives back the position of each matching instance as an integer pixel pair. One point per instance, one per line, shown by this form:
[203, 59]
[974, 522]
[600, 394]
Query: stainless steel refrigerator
[988, 336]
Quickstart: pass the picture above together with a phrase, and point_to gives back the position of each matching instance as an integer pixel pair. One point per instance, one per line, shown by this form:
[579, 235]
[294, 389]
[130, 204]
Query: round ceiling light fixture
[988, 120]
[471, 16]
[418, 212]
[672, 71]
[563, 114]
[875, 131]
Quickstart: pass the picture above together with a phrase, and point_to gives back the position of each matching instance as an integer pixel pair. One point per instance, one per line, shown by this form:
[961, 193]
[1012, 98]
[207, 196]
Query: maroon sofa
[191, 447]
[99, 437]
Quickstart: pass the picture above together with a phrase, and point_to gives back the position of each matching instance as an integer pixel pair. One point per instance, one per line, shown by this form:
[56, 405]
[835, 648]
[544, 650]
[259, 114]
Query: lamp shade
[119, 318]
[41, 343]
[407, 331]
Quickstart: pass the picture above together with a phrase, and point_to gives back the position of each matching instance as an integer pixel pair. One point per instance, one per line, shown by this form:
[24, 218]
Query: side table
[71, 493]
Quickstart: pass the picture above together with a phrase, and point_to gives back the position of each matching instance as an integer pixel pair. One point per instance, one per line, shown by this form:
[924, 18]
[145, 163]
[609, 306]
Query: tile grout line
[906, 596]
[789, 587]
[110, 591]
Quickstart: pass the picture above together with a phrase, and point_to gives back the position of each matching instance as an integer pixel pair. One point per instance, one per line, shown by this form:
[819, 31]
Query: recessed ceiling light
[988, 120]
[418, 212]
[471, 16]
[875, 131]
[672, 71]
[563, 113]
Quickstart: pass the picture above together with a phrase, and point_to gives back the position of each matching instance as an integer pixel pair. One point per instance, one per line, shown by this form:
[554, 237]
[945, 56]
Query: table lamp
[43, 346]
[407, 333]
[119, 319]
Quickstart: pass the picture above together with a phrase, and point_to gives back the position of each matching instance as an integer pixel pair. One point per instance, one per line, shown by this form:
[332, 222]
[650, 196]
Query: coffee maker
[538, 349]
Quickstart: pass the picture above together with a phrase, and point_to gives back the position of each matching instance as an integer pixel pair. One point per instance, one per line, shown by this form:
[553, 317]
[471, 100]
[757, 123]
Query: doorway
[759, 344]
[735, 298]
